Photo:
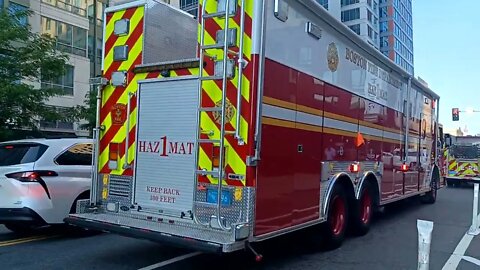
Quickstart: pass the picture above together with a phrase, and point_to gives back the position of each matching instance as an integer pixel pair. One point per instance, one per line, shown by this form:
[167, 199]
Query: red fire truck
[216, 133]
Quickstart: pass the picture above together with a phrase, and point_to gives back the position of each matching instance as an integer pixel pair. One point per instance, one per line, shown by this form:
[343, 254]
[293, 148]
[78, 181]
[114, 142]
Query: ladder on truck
[224, 72]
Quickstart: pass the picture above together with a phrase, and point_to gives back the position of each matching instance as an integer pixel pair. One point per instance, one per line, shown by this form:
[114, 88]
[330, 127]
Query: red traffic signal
[455, 114]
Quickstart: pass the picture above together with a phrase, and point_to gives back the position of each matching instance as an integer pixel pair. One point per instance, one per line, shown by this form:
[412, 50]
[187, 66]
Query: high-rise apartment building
[362, 16]
[78, 27]
[386, 24]
[396, 32]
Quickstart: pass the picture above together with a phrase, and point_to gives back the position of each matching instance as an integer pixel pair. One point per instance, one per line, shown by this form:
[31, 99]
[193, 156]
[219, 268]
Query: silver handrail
[241, 65]
[199, 114]
[96, 141]
[222, 122]
[126, 164]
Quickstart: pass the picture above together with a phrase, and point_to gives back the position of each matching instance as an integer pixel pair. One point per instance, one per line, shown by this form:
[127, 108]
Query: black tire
[337, 219]
[362, 214]
[449, 183]
[431, 196]
[20, 228]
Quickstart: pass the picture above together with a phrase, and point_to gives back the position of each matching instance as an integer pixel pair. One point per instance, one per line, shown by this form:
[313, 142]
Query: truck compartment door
[165, 159]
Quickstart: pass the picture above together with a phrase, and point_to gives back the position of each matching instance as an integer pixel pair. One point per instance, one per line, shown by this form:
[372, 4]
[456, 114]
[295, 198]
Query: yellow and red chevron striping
[119, 95]
[236, 154]
[211, 93]
[125, 14]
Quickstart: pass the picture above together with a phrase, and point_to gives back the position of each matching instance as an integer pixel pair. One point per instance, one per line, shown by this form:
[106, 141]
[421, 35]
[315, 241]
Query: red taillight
[404, 167]
[113, 154]
[216, 156]
[9, 147]
[354, 167]
[113, 151]
[31, 176]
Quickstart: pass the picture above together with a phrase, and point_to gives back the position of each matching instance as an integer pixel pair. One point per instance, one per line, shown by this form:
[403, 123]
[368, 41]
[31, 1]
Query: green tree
[87, 111]
[26, 58]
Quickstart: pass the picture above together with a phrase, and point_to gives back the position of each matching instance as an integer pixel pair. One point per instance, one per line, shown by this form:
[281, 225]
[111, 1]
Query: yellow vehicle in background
[462, 161]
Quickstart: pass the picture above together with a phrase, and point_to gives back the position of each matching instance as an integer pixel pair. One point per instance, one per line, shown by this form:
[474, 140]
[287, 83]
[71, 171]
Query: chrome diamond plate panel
[239, 212]
[120, 189]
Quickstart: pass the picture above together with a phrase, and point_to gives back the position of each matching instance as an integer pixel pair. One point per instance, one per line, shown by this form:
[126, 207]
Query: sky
[446, 40]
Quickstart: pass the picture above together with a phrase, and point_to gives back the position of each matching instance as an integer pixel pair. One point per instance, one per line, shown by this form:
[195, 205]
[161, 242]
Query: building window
[351, 14]
[190, 6]
[383, 12]
[70, 39]
[383, 27]
[369, 16]
[355, 28]
[324, 3]
[369, 2]
[64, 82]
[76, 6]
[14, 8]
[370, 32]
[65, 125]
[349, 2]
[384, 41]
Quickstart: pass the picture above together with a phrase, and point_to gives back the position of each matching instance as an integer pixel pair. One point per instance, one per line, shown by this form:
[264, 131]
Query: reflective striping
[302, 108]
[278, 112]
[313, 122]
[109, 27]
[279, 103]
[277, 122]
[338, 124]
[119, 95]
[392, 135]
[136, 22]
[212, 91]
[309, 119]
[371, 131]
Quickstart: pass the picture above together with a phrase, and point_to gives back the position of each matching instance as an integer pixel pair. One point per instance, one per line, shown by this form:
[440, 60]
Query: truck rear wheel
[337, 220]
[363, 213]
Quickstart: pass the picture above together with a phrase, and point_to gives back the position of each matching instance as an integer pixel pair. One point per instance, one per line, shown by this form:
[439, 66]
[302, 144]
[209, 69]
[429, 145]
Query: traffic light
[455, 114]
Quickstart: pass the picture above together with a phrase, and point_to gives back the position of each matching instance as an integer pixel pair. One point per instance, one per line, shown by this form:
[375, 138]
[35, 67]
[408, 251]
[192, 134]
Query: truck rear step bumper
[172, 240]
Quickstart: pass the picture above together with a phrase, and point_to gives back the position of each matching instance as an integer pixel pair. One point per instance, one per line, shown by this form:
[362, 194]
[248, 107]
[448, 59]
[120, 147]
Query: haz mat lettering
[165, 147]
[164, 195]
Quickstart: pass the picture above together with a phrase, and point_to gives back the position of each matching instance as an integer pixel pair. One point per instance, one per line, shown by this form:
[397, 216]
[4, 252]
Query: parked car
[41, 180]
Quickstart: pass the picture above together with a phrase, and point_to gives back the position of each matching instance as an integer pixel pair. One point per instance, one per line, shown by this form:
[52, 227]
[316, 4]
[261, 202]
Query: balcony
[67, 7]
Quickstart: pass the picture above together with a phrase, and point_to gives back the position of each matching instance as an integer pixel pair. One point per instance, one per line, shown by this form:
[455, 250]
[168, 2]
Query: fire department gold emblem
[119, 114]
[229, 112]
[332, 57]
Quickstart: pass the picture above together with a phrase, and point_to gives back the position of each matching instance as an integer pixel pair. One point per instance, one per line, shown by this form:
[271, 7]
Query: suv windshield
[20, 153]
[465, 151]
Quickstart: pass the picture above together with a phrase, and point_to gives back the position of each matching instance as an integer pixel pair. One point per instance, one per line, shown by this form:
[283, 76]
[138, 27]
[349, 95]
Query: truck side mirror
[448, 140]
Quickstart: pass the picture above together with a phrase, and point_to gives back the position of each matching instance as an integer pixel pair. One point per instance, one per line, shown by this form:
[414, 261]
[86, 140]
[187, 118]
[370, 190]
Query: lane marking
[26, 240]
[173, 260]
[19, 239]
[472, 260]
[459, 252]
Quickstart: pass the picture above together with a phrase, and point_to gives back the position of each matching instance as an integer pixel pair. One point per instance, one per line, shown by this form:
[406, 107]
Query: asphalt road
[391, 244]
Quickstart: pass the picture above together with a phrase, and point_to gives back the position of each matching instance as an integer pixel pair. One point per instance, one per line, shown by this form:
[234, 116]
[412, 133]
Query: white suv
[41, 180]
